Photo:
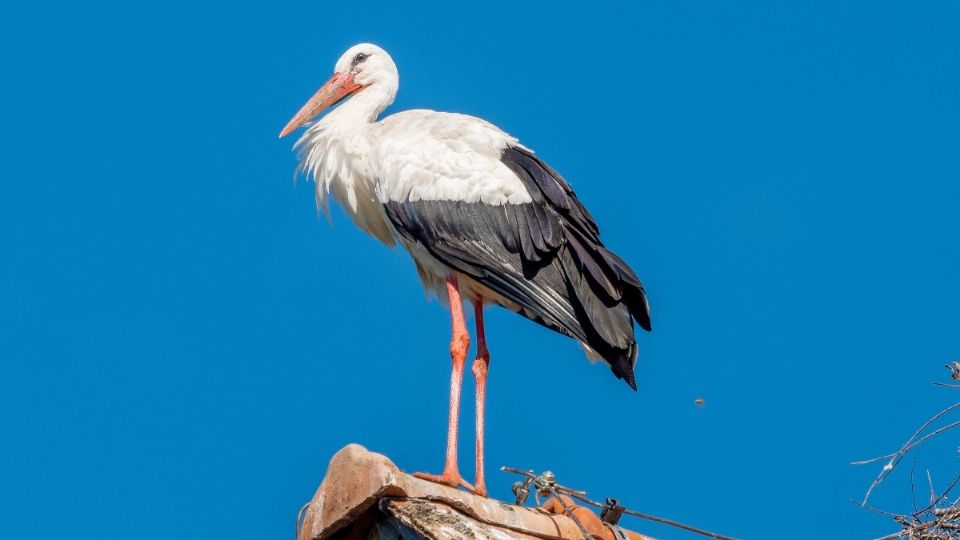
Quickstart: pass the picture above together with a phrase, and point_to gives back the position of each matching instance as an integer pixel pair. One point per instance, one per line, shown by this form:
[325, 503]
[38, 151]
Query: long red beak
[338, 87]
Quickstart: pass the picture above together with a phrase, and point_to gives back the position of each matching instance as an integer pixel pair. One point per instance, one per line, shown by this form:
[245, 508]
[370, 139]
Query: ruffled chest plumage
[345, 166]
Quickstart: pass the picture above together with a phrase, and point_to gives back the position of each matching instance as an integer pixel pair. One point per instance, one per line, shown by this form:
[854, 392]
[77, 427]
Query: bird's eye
[360, 57]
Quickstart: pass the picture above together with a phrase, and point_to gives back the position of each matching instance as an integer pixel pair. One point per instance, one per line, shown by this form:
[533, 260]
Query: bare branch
[933, 522]
[911, 443]
[910, 440]
[936, 499]
[913, 491]
[875, 510]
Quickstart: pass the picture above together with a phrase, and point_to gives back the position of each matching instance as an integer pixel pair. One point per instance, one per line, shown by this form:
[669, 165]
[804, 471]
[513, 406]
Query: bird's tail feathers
[605, 320]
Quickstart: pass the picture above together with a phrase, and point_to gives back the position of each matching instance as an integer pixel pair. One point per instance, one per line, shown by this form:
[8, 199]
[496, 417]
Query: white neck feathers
[338, 153]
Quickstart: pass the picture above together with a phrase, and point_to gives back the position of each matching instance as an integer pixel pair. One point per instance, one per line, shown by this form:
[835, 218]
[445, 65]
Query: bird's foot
[480, 489]
[450, 478]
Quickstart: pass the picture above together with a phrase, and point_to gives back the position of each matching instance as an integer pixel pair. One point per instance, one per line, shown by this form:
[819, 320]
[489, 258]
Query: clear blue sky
[184, 343]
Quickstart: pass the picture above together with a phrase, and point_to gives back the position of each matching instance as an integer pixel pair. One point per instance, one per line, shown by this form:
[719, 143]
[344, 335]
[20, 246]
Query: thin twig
[913, 492]
[937, 499]
[876, 510]
[933, 522]
[932, 434]
[911, 443]
[892, 536]
[910, 440]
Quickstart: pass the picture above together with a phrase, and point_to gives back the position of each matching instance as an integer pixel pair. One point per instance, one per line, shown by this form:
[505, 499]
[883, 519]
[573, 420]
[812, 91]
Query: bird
[484, 219]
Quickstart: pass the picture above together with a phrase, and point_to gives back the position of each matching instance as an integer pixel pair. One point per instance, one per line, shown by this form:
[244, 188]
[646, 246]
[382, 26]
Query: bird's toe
[449, 478]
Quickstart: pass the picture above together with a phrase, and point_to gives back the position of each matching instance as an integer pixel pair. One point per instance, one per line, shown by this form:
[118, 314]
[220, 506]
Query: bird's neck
[360, 110]
[339, 153]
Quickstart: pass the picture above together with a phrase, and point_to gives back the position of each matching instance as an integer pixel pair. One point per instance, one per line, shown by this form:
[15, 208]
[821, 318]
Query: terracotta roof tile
[364, 495]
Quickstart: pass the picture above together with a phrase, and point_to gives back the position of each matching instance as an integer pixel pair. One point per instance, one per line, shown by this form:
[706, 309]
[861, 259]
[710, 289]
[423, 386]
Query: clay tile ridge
[364, 495]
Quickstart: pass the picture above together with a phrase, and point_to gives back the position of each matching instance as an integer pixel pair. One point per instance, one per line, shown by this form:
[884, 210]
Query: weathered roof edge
[357, 479]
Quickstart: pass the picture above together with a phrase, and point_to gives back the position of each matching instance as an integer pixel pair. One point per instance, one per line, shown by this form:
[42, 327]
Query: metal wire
[569, 512]
[300, 517]
[582, 496]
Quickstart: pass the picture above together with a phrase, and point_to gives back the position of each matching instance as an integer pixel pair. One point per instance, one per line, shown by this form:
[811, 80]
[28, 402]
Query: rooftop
[365, 496]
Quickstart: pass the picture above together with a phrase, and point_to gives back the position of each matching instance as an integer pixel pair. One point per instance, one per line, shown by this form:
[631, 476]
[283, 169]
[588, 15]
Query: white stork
[483, 218]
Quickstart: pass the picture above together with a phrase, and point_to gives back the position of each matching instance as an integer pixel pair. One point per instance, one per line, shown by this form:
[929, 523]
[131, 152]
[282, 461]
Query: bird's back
[429, 155]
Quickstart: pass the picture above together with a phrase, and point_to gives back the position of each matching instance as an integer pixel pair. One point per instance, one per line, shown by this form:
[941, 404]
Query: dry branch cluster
[940, 519]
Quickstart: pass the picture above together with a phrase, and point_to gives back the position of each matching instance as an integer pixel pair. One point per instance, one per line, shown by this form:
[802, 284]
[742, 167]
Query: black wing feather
[545, 256]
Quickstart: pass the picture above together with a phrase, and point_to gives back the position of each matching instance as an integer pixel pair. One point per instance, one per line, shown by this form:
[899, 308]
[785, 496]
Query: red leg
[458, 353]
[480, 366]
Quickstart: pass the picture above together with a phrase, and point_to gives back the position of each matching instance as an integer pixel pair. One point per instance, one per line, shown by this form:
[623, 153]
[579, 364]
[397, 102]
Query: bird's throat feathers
[337, 153]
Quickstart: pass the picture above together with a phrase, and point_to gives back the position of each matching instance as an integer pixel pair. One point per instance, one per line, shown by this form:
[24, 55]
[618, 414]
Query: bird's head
[364, 67]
